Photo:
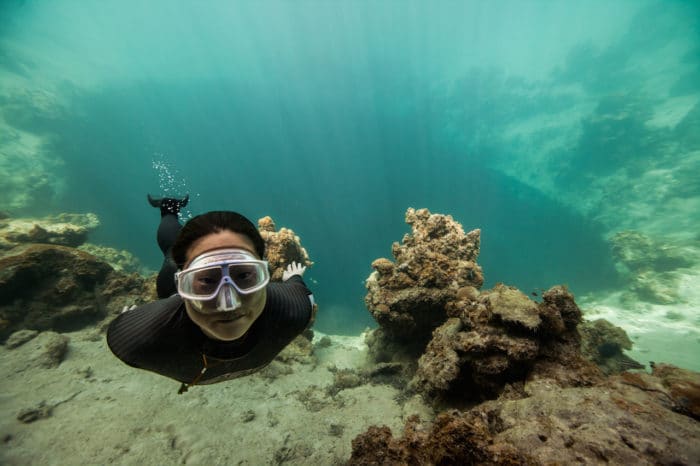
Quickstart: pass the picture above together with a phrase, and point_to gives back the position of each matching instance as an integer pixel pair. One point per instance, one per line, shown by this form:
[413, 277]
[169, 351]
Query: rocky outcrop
[458, 340]
[63, 229]
[680, 385]
[281, 248]
[619, 423]
[49, 287]
[604, 344]
[120, 260]
[525, 390]
[650, 265]
[435, 263]
[500, 336]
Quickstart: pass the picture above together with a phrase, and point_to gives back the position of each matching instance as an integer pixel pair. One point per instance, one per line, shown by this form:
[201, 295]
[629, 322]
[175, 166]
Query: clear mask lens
[221, 277]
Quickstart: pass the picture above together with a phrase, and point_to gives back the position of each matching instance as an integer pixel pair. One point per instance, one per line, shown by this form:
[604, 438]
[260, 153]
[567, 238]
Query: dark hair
[214, 222]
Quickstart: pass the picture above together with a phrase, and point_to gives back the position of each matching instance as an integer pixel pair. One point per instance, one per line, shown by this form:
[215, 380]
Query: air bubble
[171, 183]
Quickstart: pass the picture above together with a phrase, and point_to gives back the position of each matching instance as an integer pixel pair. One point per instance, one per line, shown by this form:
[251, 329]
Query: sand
[105, 412]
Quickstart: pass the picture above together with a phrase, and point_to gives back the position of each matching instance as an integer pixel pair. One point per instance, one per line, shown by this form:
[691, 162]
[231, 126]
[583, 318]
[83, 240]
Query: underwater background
[569, 133]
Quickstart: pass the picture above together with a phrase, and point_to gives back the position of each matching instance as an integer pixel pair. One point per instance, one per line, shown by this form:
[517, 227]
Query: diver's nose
[228, 299]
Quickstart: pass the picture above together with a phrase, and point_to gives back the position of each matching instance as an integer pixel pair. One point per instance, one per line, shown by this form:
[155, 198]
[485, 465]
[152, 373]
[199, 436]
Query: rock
[281, 248]
[384, 369]
[47, 350]
[20, 337]
[503, 337]
[407, 297]
[616, 424]
[324, 342]
[275, 370]
[603, 343]
[344, 379]
[336, 430]
[41, 411]
[683, 387]
[649, 265]
[460, 341]
[54, 287]
[654, 287]
[248, 416]
[299, 350]
[49, 287]
[639, 252]
[513, 307]
[122, 261]
[63, 229]
[439, 366]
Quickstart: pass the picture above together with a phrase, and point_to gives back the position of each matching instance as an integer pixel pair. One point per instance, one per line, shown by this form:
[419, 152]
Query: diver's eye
[245, 276]
[206, 281]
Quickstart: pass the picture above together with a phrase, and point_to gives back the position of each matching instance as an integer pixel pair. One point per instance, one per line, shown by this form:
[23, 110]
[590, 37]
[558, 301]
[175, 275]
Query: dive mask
[221, 275]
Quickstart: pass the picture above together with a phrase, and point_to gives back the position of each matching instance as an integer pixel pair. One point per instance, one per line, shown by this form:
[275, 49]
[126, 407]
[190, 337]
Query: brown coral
[467, 343]
[281, 248]
[62, 229]
[79, 290]
[407, 297]
[620, 423]
[498, 338]
[453, 438]
[683, 386]
[604, 343]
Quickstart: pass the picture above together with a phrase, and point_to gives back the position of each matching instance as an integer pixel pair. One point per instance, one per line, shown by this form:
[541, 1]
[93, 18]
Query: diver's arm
[132, 333]
[293, 302]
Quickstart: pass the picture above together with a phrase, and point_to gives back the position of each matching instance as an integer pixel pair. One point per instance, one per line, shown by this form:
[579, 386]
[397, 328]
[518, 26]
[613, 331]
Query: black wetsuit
[167, 232]
[161, 338]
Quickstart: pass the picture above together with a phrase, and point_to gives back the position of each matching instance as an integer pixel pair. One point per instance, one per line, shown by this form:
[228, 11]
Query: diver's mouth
[230, 316]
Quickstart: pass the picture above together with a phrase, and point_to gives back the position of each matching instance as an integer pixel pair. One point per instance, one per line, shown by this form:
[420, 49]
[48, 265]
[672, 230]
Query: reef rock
[604, 343]
[650, 265]
[457, 340]
[120, 260]
[620, 423]
[63, 229]
[281, 248]
[20, 337]
[638, 252]
[683, 387]
[434, 264]
[50, 287]
[500, 337]
[45, 350]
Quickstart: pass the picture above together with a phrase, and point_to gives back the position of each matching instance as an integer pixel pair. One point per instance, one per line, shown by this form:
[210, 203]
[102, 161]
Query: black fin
[153, 202]
[169, 205]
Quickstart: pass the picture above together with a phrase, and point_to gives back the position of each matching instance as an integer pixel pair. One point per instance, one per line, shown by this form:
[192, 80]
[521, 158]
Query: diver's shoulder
[142, 326]
[289, 302]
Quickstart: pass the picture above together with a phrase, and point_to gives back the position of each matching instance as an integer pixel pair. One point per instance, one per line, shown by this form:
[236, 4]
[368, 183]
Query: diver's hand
[128, 308]
[293, 269]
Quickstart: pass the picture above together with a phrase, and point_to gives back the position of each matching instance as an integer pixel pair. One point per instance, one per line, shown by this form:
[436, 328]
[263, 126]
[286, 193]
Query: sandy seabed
[96, 410]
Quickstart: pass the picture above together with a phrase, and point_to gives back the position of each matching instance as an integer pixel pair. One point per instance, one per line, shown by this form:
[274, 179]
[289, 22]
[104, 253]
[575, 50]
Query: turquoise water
[550, 125]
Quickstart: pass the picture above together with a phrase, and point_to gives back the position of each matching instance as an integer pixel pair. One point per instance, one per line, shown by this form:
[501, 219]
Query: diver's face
[226, 326]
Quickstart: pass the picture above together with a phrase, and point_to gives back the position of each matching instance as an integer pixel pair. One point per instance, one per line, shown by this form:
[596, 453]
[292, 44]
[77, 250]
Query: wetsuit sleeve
[292, 302]
[134, 335]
